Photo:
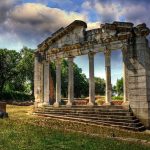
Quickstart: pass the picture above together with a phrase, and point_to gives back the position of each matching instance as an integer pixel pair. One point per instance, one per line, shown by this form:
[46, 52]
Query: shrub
[15, 96]
[100, 101]
[117, 98]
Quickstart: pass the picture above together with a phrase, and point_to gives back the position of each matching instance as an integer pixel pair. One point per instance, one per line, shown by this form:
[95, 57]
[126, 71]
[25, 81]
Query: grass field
[23, 131]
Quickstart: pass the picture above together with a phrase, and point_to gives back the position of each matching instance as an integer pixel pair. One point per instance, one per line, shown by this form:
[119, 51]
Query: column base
[38, 104]
[107, 104]
[35, 104]
[90, 104]
[69, 104]
[56, 104]
[45, 104]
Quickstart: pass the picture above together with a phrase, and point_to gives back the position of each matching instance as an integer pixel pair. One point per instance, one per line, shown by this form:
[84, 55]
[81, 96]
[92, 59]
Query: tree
[25, 68]
[8, 70]
[99, 86]
[80, 83]
[64, 78]
[80, 80]
[119, 86]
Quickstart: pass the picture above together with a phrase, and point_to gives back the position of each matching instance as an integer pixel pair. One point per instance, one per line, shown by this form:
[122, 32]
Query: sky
[29, 22]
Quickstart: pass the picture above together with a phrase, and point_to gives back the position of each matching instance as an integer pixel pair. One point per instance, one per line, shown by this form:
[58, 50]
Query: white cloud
[137, 13]
[86, 5]
[93, 25]
[46, 18]
[108, 12]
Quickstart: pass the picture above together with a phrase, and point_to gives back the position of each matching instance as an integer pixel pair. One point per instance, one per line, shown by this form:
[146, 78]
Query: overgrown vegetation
[17, 71]
[117, 98]
[22, 131]
[16, 74]
[16, 96]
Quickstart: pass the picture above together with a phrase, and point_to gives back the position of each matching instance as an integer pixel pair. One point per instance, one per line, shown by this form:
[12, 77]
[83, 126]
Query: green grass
[23, 131]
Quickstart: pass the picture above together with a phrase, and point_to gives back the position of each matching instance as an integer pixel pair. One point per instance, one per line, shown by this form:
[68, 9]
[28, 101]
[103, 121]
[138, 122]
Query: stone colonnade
[42, 90]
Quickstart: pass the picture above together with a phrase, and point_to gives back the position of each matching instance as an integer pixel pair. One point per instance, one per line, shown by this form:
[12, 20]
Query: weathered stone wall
[138, 74]
[74, 40]
[74, 36]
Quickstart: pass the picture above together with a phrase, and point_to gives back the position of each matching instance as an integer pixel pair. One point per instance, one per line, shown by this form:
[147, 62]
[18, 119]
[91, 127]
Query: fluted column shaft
[108, 76]
[46, 83]
[91, 80]
[58, 83]
[36, 79]
[70, 82]
[124, 75]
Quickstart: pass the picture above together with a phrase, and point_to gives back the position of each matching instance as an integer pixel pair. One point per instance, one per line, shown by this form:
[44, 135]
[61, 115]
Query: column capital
[70, 58]
[107, 51]
[91, 54]
[124, 48]
[46, 62]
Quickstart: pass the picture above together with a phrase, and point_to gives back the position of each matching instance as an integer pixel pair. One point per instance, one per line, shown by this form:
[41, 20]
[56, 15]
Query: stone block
[138, 72]
[139, 85]
[136, 79]
[138, 92]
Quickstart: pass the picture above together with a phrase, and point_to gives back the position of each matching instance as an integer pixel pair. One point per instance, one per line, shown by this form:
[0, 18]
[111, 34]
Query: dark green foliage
[8, 67]
[99, 86]
[64, 78]
[16, 76]
[81, 85]
[80, 80]
[15, 96]
[25, 69]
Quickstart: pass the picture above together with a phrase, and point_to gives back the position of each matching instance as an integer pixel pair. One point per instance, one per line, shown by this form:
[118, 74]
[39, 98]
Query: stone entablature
[74, 40]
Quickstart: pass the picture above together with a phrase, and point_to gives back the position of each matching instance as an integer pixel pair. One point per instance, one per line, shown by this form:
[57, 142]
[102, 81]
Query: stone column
[91, 80]
[124, 51]
[36, 79]
[70, 82]
[46, 83]
[41, 83]
[58, 83]
[108, 91]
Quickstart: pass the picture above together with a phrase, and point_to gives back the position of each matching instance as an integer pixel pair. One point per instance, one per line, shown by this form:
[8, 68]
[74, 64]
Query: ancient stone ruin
[74, 40]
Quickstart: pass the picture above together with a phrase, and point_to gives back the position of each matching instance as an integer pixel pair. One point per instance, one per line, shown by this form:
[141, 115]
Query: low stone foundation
[84, 101]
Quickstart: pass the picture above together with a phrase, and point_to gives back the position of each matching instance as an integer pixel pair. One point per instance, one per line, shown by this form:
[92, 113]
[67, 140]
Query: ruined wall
[74, 36]
[138, 74]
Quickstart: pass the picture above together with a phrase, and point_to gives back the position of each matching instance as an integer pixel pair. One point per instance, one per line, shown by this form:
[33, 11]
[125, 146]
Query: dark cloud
[5, 7]
[33, 22]
[30, 23]
[136, 11]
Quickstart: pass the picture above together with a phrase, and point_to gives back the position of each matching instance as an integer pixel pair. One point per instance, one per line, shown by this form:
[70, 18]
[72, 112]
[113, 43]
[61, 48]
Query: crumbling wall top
[107, 32]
